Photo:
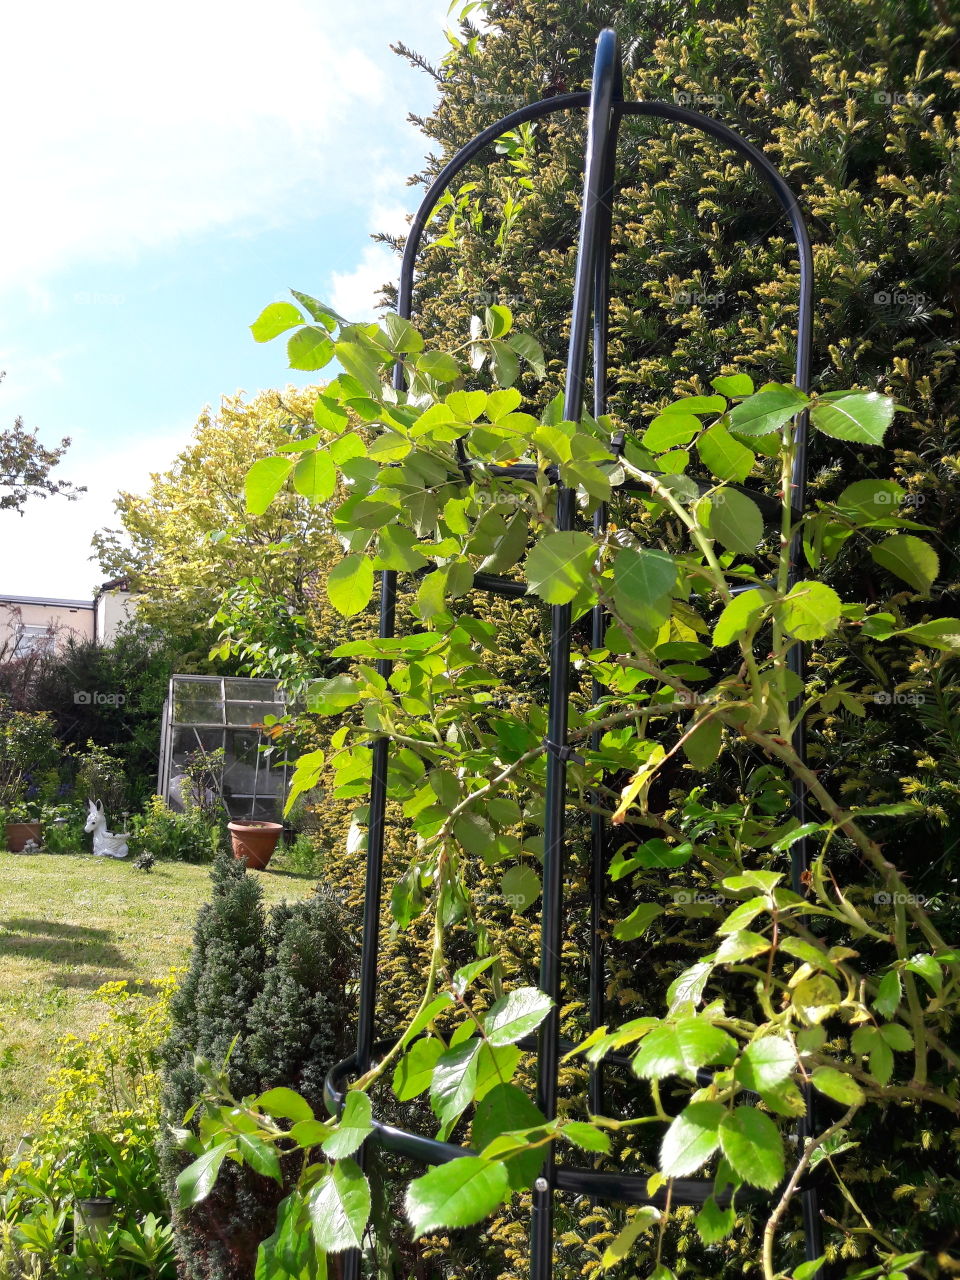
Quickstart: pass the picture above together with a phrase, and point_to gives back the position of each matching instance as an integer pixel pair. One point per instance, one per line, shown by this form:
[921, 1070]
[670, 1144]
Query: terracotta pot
[254, 842]
[20, 833]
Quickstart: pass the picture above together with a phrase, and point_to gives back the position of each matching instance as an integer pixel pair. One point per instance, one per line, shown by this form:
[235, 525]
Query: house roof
[47, 600]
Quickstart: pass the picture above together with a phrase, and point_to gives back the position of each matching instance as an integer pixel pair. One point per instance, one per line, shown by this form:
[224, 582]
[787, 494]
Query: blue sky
[167, 172]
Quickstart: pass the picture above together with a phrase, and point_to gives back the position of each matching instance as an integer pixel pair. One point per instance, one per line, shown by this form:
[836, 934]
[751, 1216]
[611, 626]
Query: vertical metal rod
[598, 833]
[607, 82]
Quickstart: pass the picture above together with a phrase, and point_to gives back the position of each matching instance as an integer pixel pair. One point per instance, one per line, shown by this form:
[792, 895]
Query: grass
[68, 924]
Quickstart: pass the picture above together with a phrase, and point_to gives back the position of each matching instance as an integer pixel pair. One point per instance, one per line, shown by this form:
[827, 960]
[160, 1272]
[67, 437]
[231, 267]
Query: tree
[25, 466]
[190, 537]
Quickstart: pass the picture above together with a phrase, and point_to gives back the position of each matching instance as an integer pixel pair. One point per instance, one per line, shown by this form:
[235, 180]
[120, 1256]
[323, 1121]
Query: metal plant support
[605, 108]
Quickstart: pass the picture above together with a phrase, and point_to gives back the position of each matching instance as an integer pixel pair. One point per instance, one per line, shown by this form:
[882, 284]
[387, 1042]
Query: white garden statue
[105, 844]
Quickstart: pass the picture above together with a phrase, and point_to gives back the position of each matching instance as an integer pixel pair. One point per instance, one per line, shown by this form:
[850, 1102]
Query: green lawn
[69, 923]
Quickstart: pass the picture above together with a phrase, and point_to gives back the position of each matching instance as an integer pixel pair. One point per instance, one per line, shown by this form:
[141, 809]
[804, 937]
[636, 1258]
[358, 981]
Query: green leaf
[339, 1207]
[559, 566]
[439, 366]
[620, 1247]
[810, 610]
[197, 1181]
[637, 922]
[456, 1194]
[454, 1078]
[516, 1015]
[350, 585]
[414, 1071]
[404, 338]
[941, 633]
[808, 1270]
[506, 366]
[871, 501]
[739, 614]
[928, 969]
[696, 404]
[897, 1037]
[816, 998]
[274, 320]
[260, 1156]
[467, 406]
[310, 348]
[725, 457]
[889, 994]
[734, 385]
[356, 1122]
[264, 481]
[669, 430]
[642, 582]
[680, 1048]
[505, 1109]
[765, 1063]
[321, 311]
[310, 1133]
[495, 1066]
[521, 888]
[908, 558]
[741, 944]
[702, 746]
[283, 1104]
[735, 521]
[767, 411]
[530, 350]
[860, 417]
[586, 1136]
[315, 476]
[752, 1144]
[692, 1139]
[714, 1223]
[837, 1085]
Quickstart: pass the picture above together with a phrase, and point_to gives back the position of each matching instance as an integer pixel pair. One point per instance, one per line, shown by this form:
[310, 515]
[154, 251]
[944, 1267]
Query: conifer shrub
[275, 992]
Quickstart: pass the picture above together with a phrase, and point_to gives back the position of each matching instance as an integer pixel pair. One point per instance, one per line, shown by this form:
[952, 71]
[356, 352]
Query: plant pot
[254, 842]
[21, 833]
[92, 1217]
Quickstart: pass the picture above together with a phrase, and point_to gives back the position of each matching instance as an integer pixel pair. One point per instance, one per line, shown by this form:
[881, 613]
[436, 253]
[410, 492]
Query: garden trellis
[605, 109]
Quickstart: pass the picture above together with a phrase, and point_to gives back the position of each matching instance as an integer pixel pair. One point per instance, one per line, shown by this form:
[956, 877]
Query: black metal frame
[605, 107]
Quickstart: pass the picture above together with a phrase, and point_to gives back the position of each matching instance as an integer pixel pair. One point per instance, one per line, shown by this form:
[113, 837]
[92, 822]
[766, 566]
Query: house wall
[64, 615]
[114, 608]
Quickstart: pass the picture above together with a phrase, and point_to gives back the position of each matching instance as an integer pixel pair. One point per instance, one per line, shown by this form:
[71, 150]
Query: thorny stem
[812, 1144]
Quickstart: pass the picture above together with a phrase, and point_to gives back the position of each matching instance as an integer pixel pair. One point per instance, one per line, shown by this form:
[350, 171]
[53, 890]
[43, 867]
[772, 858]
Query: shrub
[191, 836]
[278, 990]
[100, 777]
[96, 1135]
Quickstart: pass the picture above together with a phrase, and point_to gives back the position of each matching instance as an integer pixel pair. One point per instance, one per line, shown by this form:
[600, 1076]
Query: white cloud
[46, 551]
[130, 127]
[354, 293]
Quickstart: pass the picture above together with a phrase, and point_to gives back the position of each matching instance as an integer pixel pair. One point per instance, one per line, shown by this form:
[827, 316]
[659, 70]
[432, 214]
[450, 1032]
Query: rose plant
[800, 994]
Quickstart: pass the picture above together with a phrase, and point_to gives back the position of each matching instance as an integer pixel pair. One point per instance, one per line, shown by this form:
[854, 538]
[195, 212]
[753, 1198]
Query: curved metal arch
[606, 109]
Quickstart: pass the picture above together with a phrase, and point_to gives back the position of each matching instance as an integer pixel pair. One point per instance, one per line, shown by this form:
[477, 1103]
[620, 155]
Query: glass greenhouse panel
[206, 714]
